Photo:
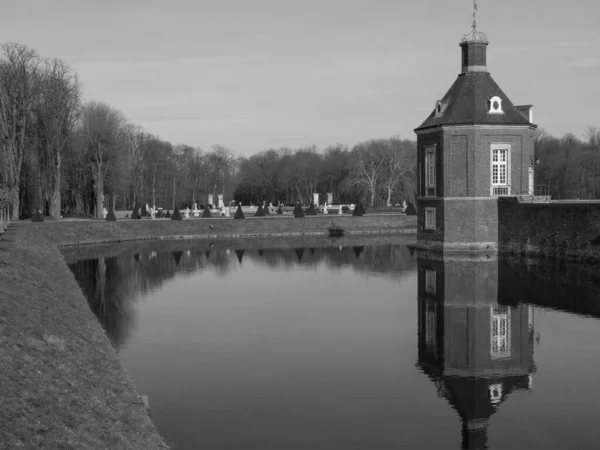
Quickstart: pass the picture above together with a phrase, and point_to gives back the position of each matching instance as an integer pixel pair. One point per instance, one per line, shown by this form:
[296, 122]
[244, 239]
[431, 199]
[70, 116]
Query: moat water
[341, 344]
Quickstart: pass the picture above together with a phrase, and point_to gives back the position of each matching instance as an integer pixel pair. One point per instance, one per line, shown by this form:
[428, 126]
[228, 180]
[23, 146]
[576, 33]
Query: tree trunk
[154, 188]
[174, 179]
[15, 196]
[99, 192]
[389, 196]
[372, 197]
[54, 197]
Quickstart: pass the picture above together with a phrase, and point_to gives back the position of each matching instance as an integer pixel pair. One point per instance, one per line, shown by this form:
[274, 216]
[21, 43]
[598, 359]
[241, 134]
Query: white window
[430, 281]
[430, 171]
[500, 169]
[430, 218]
[495, 393]
[500, 332]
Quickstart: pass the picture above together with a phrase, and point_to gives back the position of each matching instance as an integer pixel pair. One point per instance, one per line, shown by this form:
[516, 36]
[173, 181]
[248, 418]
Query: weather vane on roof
[474, 35]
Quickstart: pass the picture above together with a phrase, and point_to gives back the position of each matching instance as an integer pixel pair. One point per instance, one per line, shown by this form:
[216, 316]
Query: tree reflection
[111, 284]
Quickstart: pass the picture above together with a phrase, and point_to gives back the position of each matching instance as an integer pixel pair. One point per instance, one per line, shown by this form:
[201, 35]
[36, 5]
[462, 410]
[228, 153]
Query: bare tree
[18, 69]
[223, 162]
[369, 165]
[56, 110]
[400, 163]
[101, 129]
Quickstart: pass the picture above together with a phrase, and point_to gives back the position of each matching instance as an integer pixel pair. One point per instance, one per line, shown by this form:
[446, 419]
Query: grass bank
[62, 384]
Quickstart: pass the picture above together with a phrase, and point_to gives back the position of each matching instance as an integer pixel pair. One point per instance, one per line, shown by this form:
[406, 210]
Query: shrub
[260, 212]
[312, 211]
[110, 217]
[358, 210]
[168, 215]
[206, 213]
[280, 209]
[345, 208]
[135, 212]
[144, 211]
[266, 209]
[239, 214]
[298, 213]
[37, 217]
[176, 214]
[410, 210]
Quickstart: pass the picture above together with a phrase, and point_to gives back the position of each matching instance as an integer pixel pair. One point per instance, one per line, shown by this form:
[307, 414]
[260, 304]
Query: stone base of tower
[461, 224]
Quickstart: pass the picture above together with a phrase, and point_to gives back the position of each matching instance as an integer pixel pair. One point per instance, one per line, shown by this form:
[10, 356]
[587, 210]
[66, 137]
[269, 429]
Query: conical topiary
[240, 255]
[358, 210]
[280, 209]
[410, 210]
[144, 211]
[135, 212]
[37, 217]
[239, 214]
[176, 214]
[260, 212]
[206, 213]
[266, 209]
[168, 215]
[177, 257]
[110, 217]
[312, 211]
[358, 250]
[299, 253]
[298, 213]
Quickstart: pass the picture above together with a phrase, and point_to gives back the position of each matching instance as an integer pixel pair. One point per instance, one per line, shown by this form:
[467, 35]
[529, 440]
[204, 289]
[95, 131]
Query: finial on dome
[474, 35]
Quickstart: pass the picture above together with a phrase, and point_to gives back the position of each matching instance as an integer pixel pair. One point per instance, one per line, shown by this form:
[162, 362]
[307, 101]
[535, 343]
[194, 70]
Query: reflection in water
[332, 365]
[475, 350]
[111, 284]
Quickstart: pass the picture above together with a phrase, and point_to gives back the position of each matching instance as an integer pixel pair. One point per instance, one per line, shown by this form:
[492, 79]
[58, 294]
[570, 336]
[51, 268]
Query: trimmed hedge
[298, 213]
[239, 214]
[176, 214]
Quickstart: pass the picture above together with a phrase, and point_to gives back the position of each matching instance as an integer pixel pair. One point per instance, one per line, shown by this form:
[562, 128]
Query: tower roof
[468, 102]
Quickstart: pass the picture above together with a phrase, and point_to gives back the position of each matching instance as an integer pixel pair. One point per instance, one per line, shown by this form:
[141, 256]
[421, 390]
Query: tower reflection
[475, 350]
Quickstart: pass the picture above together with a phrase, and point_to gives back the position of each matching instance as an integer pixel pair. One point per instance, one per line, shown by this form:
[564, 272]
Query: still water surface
[351, 346]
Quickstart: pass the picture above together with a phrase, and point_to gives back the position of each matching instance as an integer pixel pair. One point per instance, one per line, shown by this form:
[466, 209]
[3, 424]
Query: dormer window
[495, 105]
[439, 108]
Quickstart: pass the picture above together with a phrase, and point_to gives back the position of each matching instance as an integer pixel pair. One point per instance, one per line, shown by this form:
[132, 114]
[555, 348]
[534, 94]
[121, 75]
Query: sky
[258, 74]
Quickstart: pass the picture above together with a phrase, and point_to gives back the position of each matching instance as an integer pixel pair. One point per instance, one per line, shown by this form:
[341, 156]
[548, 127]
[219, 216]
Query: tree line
[63, 155]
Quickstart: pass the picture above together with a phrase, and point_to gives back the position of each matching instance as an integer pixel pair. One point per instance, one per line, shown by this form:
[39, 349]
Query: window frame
[433, 211]
[430, 181]
[500, 189]
[500, 314]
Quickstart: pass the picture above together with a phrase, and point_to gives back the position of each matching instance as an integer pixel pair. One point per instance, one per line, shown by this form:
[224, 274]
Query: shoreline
[64, 385]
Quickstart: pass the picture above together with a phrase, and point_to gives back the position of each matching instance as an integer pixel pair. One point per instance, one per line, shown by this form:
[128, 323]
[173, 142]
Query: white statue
[104, 212]
[325, 209]
[340, 210]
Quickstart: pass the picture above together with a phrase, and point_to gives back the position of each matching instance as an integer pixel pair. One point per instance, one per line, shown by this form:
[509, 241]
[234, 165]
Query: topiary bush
[260, 212]
[176, 214]
[239, 214]
[312, 211]
[358, 210]
[266, 209]
[280, 209]
[37, 217]
[206, 214]
[410, 210]
[168, 215]
[298, 213]
[135, 212]
[110, 217]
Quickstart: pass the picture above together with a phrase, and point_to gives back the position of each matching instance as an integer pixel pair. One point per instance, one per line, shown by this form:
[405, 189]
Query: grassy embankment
[62, 384]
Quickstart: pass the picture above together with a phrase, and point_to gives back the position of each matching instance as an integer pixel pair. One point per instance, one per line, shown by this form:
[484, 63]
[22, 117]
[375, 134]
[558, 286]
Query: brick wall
[569, 230]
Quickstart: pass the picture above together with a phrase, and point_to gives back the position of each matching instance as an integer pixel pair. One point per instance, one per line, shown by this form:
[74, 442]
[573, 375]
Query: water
[353, 345]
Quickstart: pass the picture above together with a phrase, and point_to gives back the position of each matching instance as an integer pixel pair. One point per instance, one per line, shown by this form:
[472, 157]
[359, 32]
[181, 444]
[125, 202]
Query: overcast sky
[259, 74]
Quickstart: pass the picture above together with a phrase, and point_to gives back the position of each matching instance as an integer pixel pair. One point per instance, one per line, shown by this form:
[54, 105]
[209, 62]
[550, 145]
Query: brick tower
[475, 146]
